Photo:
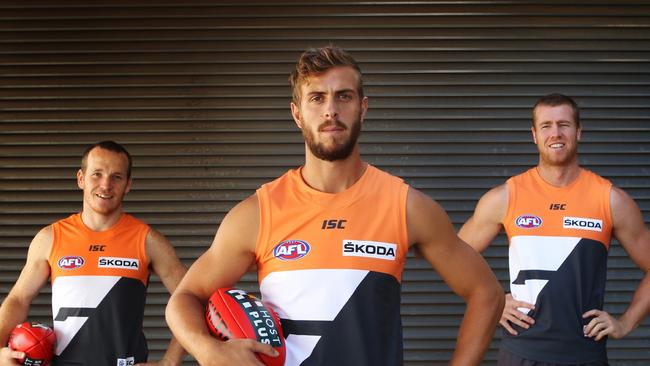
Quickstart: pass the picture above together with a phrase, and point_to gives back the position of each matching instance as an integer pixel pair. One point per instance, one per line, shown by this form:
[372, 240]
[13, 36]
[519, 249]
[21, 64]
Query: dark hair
[110, 146]
[557, 99]
[318, 60]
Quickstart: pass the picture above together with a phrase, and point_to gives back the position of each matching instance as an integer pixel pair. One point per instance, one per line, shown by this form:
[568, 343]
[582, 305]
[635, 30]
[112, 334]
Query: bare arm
[231, 254]
[485, 223]
[463, 269]
[168, 267]
[634, 236]
[34, 275]
[479, 231]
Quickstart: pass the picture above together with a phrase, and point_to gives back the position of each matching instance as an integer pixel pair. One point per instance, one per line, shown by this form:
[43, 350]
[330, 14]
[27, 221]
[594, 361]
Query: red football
[36, 340]
[233, 313]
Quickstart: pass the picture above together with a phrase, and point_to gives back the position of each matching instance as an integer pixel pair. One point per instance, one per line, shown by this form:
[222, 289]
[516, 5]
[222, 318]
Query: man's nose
[331, 110]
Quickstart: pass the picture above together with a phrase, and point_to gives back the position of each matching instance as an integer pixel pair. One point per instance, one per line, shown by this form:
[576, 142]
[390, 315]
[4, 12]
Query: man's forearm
[12, 313]
[175, 353]
[184, 316]
[477, 328]
[639, 307]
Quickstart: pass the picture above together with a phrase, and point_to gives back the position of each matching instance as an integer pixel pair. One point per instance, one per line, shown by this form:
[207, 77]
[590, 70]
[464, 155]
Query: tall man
[559, 219]
[351, 226]
[99, 262]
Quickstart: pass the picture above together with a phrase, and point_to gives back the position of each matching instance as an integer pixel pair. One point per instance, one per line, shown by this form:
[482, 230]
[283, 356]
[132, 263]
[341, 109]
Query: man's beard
[569, 157]
[339, 151]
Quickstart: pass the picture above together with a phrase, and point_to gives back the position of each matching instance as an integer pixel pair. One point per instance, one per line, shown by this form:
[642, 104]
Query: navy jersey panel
[362, 335]
[576, 287]
[111, 333]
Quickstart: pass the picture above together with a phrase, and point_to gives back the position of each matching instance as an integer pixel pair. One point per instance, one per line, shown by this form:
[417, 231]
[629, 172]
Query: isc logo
[528, 221]
[71, 262]
[96, 248]
[333, 224]
[291, 249]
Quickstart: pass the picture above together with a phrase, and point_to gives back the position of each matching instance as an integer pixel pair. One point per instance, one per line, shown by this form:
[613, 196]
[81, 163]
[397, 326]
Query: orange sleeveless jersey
[558, 241]
[99, 282]
[331, 265]
[586, 198]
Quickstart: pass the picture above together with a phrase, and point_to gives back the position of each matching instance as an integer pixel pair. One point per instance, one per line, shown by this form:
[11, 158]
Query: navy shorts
[508, 359]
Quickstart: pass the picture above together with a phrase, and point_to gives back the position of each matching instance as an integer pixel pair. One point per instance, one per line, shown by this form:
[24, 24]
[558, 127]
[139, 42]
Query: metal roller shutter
[197, 91]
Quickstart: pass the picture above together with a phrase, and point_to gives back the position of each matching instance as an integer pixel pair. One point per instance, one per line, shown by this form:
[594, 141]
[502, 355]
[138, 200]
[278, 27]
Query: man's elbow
[172, 308]
[489, 296]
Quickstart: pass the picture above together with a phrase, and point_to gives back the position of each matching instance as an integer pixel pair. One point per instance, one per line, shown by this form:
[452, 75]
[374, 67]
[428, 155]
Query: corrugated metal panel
[197, 91]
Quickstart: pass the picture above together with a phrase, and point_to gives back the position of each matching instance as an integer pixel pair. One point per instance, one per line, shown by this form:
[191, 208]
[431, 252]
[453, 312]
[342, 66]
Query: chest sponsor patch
[369, 249]
[582, 223]
[291, 249]
[120, 263]
[71, 262]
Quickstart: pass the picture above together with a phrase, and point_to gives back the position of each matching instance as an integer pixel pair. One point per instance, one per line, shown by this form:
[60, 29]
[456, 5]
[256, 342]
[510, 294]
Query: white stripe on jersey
[76, 292]
[545, 253]
[311, 294]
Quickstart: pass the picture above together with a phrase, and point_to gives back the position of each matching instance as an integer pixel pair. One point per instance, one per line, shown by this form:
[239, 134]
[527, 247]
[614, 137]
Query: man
[99, 262]
[559, 219]
[329, 241]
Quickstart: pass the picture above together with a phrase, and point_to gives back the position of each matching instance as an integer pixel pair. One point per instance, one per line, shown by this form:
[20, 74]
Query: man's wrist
[627, 325]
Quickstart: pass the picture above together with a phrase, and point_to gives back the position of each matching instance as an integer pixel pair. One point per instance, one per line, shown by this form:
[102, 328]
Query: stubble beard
[566, 160]
[339, 151]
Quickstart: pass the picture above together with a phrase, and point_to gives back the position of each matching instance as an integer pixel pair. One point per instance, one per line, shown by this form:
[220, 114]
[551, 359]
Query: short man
[559, 219]
[99, 262]
[330, 240]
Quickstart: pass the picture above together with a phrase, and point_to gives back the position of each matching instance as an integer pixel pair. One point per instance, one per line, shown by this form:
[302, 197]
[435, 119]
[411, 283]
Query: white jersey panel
[310, 294]
[299, 348]
[76, 292]
[541, 253]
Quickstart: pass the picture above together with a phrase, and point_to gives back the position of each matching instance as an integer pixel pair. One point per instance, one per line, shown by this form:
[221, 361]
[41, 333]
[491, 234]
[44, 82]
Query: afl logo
[71, 262]
[291, 249]
[528, 221]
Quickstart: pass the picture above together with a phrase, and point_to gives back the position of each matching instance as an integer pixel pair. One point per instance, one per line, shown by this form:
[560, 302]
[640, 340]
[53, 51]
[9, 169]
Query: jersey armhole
[264, 216]
[143, 246]
[402, 225]
[56, 234]
[512, 197]
[607, 200]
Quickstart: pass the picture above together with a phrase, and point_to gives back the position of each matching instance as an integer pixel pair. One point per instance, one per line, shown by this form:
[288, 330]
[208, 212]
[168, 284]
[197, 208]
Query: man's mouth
[334, 126]
[104, 196]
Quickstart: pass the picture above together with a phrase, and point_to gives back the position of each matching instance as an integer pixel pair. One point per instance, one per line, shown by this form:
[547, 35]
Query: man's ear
[532, 130]
[295, 113]
[80, 179]
[364, 108]
[128, 186]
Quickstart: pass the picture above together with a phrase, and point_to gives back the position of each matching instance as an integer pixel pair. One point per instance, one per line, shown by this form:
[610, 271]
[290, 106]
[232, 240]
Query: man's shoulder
[71, 219]
[588, 174]
[529, 173]
[132, 220]
[385, 175]
[283, 179]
